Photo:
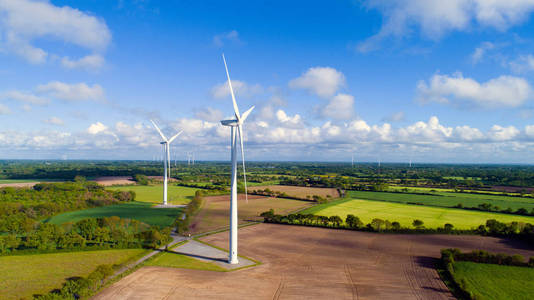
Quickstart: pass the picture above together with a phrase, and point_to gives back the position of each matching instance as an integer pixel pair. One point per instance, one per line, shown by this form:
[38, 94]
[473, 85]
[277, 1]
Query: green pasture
[446, 199]
[140, 211]
[432, 217]
[496, 281]
[154, 193]
[22, 276]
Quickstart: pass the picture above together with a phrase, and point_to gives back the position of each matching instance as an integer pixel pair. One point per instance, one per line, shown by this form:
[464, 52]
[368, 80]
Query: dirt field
[313, 263]
[114, 180]
[299, 191]
[215, 211]
[19, 184]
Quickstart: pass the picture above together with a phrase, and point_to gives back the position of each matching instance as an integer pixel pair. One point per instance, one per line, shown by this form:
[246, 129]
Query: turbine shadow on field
[199, 256]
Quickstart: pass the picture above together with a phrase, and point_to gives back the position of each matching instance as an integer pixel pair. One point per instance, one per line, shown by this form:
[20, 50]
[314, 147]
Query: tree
[448, 227]
[418, 224]
[353, 222]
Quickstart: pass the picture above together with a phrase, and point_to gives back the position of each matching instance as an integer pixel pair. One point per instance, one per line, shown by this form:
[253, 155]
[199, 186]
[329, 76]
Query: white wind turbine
[166, 159]
[237, 122]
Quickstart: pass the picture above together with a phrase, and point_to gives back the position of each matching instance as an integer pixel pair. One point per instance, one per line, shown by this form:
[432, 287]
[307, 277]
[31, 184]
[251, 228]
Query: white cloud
[97, 128]
[499, 133]
[24, 21]
[322, 81]
[529, 131]
[241, 89]
[230, 36]
[340, 107]
[282, 117]
[522, 64]
[503, 91]
[54, 121]
[4, 110]
[435, 18]
[72, 92]
[89, 62]
[28, 98]
[480, 51]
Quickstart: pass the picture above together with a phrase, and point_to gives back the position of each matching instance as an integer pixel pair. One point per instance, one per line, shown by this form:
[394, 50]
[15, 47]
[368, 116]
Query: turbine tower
[236, 129]
[166, 159]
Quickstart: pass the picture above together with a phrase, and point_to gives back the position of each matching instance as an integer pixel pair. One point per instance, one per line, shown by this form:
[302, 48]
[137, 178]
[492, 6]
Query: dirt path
[313, 263]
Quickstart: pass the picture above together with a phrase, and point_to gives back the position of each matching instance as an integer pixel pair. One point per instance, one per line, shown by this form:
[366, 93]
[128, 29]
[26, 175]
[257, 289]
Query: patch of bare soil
[313, 263]
[19, 184]
[114, 180]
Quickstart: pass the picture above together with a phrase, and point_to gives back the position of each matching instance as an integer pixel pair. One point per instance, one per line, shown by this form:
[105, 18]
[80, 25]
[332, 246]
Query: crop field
[495, 281]
[300, 191]
[432, 217]
[313, 263]
[154, 193]
[22, 276]
[5, 181]
[141, 211]
[445, 199]
[215, 211]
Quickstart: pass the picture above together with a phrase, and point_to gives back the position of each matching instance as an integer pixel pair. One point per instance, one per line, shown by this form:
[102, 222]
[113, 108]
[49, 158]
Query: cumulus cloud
[282, 117]
[340, 107]
[499, 133]
[90, 62]
[230, 36]
[54, 121]
[503, 91]
[322, 81]
[24, 21]
[97, 128]
[241, 88]
[434, 18]
[72, 92]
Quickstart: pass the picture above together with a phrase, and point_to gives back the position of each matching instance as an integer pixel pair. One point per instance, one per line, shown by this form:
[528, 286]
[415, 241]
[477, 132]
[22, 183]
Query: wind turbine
[166, 159]
[234, 124]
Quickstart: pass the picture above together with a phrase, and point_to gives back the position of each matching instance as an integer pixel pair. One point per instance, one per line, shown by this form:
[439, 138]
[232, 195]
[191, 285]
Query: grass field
[432, 217]
[175, 260]
[141, 211]
[154, 193]
[445, 199]
[495, 281]
[25, 275]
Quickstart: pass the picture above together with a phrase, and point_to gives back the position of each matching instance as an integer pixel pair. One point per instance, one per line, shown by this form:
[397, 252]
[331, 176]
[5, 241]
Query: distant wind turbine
[166, 159]
[237, 122]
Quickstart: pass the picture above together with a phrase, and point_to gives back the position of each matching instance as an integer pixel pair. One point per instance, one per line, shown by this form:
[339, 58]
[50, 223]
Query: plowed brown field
[313, 263]
[299, 191]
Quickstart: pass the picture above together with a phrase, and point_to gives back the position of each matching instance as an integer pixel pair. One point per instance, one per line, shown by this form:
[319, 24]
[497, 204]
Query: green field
[445, 199]
[495, 281]
[154, 193]
[432, 217]
[175, 260]
[141, 211]
[22, 276]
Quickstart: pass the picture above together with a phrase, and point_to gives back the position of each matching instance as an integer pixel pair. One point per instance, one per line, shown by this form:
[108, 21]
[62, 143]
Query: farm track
[314, 263]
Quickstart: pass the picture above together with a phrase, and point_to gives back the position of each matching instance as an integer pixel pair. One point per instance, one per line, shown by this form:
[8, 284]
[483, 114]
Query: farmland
[154, 193]
[496, 281]
[25, 275]
[299, 191]
[432, 217]
[141, 211]
[215, 211]
[175, 260]
[447, 199]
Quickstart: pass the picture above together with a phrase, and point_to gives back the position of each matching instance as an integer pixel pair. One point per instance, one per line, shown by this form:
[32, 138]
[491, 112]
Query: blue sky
[435, 81]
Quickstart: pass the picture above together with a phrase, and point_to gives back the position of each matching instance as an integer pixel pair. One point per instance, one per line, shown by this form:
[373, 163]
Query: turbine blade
[243, 158]
[159, 131]
[245, 114]
[236, 109]
[175, 136]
